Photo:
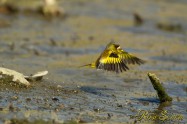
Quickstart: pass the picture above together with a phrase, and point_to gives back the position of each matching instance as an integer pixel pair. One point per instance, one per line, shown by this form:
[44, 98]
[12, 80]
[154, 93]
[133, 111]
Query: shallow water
[33, 43]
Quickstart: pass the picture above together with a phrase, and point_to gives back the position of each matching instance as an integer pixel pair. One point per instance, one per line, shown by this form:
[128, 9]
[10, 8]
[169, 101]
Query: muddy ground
[30, 42]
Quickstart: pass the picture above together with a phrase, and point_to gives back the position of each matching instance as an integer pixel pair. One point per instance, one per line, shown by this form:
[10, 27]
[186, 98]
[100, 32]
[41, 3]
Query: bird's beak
[118, 47]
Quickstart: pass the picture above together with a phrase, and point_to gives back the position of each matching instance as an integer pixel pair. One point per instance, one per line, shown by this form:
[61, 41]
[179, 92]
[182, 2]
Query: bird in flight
[113, 58]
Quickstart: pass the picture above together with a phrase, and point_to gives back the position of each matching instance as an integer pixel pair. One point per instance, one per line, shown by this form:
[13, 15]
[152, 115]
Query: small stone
[11, 107]
[109, 115]
[13, 76]
[37, 76]
[28, 99]
[14, 98]
[59, 86]
[55, 99]
[119, 105]
[96, 109]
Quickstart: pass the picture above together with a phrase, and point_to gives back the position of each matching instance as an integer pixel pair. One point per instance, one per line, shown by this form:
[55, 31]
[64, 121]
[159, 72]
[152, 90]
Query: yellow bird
[113, 58]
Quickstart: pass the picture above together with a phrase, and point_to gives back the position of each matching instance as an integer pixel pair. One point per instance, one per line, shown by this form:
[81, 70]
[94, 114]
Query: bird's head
[112, 46]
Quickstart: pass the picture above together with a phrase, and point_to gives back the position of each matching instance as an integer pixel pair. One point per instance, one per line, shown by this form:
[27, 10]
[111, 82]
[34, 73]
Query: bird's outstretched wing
[117, 60]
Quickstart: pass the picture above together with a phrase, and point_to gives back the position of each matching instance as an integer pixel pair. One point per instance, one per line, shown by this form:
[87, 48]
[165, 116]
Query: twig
[163, 96]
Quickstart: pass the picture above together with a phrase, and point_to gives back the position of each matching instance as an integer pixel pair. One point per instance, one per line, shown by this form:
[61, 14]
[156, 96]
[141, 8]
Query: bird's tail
[88, 65]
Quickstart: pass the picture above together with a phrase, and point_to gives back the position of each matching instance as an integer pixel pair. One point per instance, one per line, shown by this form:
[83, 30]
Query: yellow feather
[102, 60]
[115, 60]
[109, 60]
[113, 54]
[112, 60]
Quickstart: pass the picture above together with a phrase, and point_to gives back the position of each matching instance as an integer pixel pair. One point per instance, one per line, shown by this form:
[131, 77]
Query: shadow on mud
[150, 100]
[96, 91]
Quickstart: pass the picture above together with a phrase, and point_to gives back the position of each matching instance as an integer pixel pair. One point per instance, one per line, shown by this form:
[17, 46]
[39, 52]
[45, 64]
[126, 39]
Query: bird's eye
[117, 46]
